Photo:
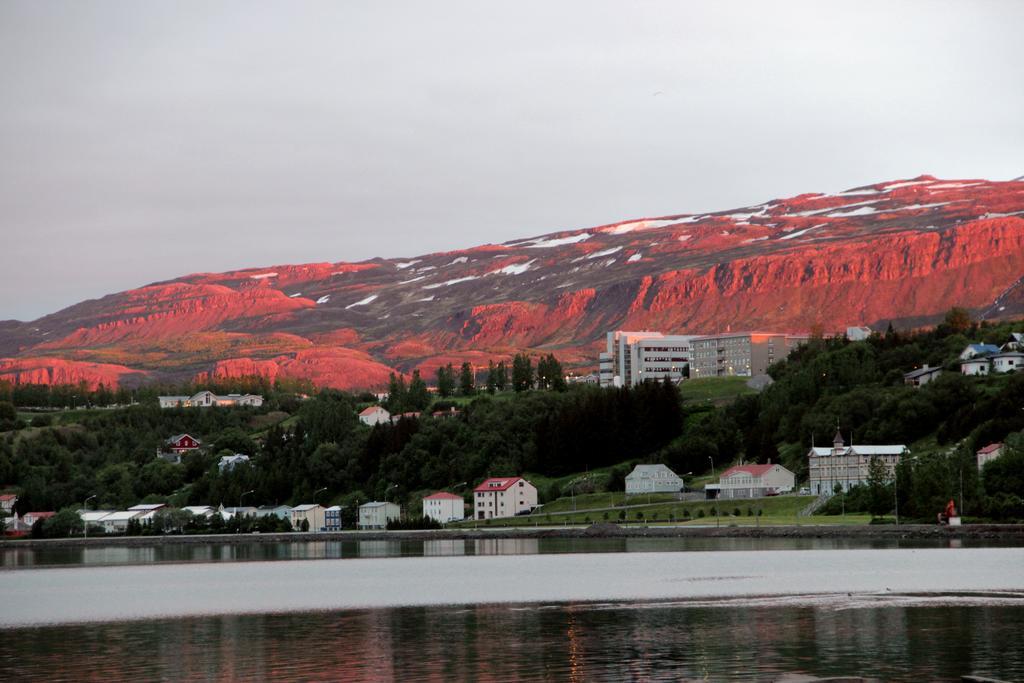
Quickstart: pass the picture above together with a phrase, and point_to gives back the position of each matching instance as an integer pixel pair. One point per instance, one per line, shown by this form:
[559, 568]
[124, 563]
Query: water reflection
[534, 642]
[213, 551]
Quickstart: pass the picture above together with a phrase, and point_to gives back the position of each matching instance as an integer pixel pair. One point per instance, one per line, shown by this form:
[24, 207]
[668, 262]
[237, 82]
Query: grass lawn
[714, 390]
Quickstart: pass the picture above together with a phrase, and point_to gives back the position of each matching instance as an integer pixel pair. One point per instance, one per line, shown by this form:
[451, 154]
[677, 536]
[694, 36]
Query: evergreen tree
[522, 372]
[417, 398]
[396, 401]
[550, 374]
[501, 376]
[880, 501]
[467, 380]
[445, 381]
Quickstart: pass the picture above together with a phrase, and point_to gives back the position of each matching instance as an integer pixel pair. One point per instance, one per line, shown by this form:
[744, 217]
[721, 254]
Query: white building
[653, 479]
[7, 501]
[743, 354]
[633, 357]
[848, 466]
[377, 514]
[312, 513]
[444, 507]
[975, 350]
[975, 366]
[755, 481]
[1007, 361]
[279, 511]
[503, 497]
[989, 453]
[208, 399]
[117, 522]
[921, 376]
[374, 415]
[199, 510]
[93, 518]
[229, 462]
[858, 333]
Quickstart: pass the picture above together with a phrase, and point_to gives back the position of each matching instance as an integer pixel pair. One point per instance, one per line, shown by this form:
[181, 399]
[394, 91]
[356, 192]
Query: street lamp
[317, 528]
[718, 509]
[86, 506]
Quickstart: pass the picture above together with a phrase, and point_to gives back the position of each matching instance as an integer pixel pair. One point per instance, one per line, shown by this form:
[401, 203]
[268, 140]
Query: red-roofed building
[755, 481]
[444, 507]
[374, 415]
[31, 518]
[989, 453]
[7, 501]
[503, 497]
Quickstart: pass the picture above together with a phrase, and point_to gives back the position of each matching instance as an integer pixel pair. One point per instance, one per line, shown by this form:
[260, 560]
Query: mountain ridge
[892, 251]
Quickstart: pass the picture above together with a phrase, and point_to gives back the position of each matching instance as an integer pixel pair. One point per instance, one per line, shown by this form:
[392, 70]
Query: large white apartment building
[633, 357]
[503, 497]
[848, 466]
[740, 353]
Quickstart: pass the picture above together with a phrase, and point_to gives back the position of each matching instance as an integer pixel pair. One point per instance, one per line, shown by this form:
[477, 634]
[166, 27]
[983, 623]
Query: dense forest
[302, 441]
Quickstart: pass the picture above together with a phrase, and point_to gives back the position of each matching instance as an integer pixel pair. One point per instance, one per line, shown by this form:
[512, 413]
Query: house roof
[1008, 354]
[894, 449]
[143, 507]
[306, 507]
[920, 372]
[983, 348]
[121, 516]
[752, 470]
[991, 448]
[371, 410]
[976, 360]
[498, 483]
[40, 515]
[178, 437]
[649, 470]
[442, 495]
[375, 504]
[9, 496]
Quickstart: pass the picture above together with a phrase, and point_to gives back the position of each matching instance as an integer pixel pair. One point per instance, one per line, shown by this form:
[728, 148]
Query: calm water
[488, 612]
[12, 557]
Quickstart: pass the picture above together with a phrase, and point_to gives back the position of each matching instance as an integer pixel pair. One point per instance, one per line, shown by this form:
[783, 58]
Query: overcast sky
[141, 140]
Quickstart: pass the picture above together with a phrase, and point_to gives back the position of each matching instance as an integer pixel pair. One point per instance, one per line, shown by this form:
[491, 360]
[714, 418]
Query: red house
[182, 443]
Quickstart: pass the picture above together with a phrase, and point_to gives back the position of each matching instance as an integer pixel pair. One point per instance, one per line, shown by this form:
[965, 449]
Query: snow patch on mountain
[406, 264]
[362, 302]
[262, 276]
[862, 211]
[452, 282]
[635, 257]
[514, 269]
[324, 299]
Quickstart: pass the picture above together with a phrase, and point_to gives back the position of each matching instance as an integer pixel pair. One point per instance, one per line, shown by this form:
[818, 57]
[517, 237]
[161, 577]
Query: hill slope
[901, 251]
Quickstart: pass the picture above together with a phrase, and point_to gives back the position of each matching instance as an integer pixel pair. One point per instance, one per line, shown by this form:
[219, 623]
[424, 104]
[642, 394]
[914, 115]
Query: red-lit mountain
[904, 251]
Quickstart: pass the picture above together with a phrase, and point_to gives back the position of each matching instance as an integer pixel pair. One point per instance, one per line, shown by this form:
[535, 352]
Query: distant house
[921, 376]
[93, 518]
[451, 412]
[858, 333]
[848, 466]
[989, 453]
[444, 507]
[377, 514]
[374, 415]
[208, 399]
[1015, 342]
[332, 518]
[975, 366]
[1007, 361]
[279, 511]
[199, 510]
[117, 522]
[503, 497]
[411, 415]
[7, 501]
[31, 518]
[244, 511]
[182, 443]
[311, 513]
[652, 479]
[147, 510]
[755, 481]
[229, 462]
[975, 350]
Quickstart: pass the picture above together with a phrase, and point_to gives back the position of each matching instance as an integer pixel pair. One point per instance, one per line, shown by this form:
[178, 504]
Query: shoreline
[861, 532]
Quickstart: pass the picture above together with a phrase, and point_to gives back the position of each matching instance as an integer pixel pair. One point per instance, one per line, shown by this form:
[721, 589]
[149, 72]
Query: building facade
[848, 466]
[921, 376]
[311, 513]
[743, 354]
[332, 518]
[755, 481]
[444, 507]
[503, 497]
[652, 479]
[377, 514]
[374, 415]
[633, 357]
[208, 399]
[989, 453]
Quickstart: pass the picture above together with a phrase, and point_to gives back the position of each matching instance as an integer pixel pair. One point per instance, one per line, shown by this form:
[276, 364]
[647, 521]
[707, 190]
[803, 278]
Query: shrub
[736, 512]
[686, 513]
[700, 513]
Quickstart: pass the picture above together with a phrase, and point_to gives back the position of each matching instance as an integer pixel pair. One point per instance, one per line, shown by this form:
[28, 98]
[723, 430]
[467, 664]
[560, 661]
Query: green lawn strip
[713, 389]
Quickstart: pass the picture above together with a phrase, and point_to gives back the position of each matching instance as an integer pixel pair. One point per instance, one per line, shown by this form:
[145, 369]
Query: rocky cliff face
[903, 250]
